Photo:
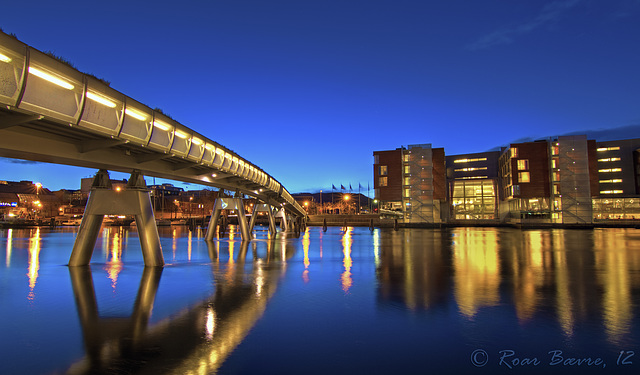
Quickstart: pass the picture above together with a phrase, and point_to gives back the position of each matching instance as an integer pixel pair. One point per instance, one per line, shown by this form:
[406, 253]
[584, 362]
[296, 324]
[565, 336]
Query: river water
[345, 301]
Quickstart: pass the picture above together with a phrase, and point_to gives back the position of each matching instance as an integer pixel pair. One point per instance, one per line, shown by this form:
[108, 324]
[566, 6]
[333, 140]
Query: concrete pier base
[272, 220]
[133, 200]
[226, 203]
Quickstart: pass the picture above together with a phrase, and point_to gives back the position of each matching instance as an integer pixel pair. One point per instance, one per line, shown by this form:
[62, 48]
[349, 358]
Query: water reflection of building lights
[9, 246]
[528, 273]
[564, 301]
[174, 243]
[211, 323]
[376, 246]
[305, 247]
[189, 245]
[114, 265]
[613, 270]
[260, 280]
[477, 270]
[345, 278]
[34, 261]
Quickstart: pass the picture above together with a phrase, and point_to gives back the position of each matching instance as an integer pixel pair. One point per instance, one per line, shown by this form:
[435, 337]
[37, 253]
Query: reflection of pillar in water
[115, 335]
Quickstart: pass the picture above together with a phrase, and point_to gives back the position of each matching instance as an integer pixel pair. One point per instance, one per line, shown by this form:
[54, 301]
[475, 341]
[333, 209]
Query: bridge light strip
[209, 147]
[182, 135]
[135, 114]
[48, 77]
[101, 99]
[196, 141]
[5, 58]
[161, 125]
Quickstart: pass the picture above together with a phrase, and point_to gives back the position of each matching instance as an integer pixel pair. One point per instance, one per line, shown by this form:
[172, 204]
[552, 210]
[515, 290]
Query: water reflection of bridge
[198, 338]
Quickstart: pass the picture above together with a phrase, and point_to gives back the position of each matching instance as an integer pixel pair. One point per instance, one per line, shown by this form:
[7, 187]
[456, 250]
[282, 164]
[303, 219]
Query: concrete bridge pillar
[286, 221]
[263, 207]
[227, 203]
[134, 200]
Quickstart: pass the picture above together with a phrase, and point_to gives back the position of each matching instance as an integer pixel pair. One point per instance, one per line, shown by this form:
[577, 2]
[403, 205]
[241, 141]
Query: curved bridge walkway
[51, 112]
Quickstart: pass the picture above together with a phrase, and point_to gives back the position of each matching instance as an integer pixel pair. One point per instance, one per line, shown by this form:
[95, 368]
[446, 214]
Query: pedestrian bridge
[51, 112]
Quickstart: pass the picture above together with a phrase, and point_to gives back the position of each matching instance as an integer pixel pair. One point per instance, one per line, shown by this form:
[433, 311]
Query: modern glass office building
[563, 180]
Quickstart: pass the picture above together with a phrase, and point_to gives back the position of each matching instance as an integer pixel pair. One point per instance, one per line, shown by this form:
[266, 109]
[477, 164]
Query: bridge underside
[25, 136]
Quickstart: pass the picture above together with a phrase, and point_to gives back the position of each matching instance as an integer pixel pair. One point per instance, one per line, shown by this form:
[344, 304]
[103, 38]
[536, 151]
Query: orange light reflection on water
[34, 261]
[114, 263]
[346, 278]
[9, 246]
[617, 257]
[477, 269]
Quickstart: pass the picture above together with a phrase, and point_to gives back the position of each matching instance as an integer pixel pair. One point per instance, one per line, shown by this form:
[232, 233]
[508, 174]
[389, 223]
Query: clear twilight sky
[308, 89]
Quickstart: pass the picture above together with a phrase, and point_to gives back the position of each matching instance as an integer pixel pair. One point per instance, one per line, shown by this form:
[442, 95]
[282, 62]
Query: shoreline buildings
[563, 180]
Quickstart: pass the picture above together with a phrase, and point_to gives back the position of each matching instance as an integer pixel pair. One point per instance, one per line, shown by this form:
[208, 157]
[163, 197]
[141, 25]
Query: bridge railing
[37, 83]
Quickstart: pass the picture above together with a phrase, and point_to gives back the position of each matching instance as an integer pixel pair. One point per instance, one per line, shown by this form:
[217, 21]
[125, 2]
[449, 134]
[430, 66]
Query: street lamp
[346, 198]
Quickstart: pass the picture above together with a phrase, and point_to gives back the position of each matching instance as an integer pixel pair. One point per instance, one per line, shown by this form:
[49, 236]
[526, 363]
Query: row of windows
[610, 170]
[609, 159]
[611, 191]
[612, 181]
[471, 177]
[614, 148]
[470, 169]
[469, 160]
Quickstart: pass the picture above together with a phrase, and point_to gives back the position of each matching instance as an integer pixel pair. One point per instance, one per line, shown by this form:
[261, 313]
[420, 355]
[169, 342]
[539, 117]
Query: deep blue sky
[308, 89]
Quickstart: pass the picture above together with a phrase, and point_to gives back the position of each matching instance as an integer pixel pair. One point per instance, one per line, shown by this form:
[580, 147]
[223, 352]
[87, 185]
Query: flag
[333, 187]
[350, 188]
[342, 187]
[359, 185]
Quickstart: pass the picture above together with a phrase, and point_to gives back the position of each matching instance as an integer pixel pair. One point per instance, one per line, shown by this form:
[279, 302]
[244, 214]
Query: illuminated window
[555, 150]
[470, 169]
[608, 159]
[407, 180]
[523, 164]
[556, 189]
[514, 152]
[610, 170]
[554, 163]
[471, 177]
[407, 193]
[556, 176]
[469, 160]
[406, 157]
[610, 191]
[383, 181]
[608, 148]
[407, 169]
[524, 177]
[383, 170]
[612, 181]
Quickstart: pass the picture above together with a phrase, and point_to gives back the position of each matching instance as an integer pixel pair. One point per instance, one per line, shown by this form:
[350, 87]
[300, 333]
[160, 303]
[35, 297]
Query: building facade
[472, 181]
[563, 180]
